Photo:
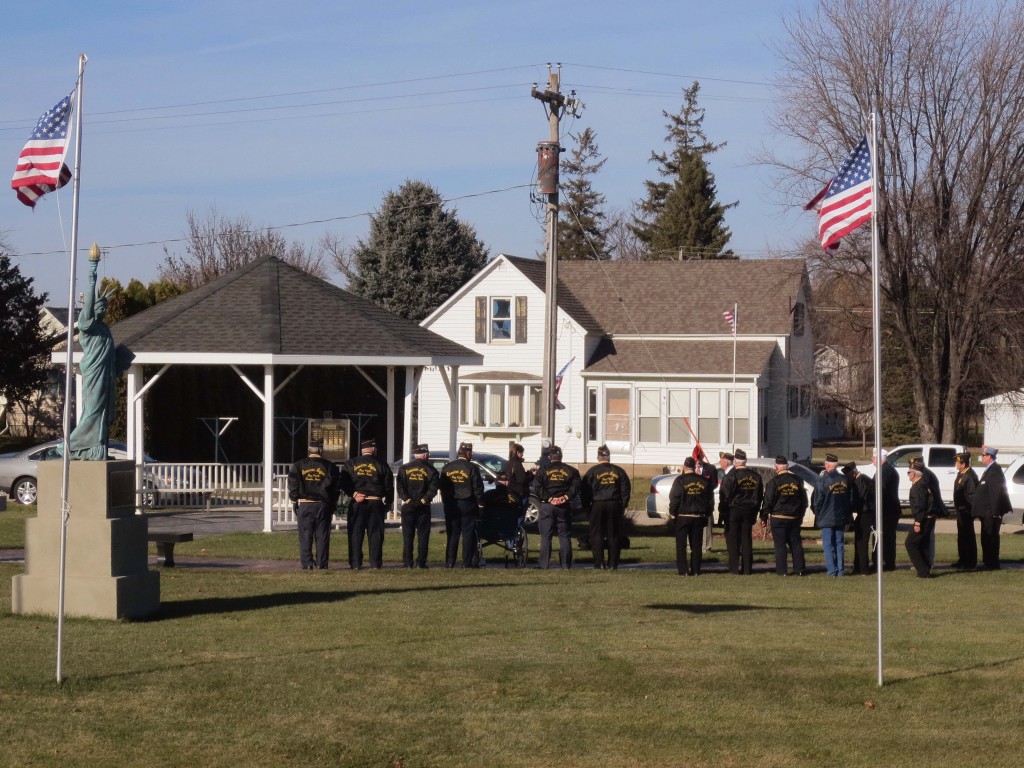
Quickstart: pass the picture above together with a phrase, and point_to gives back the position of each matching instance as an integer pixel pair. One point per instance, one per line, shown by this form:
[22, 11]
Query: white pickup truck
[939, 458]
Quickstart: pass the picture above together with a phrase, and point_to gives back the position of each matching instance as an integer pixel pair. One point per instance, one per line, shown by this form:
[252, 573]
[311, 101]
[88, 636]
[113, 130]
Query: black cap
[725, 455]
[689, 462]
[421, 448]
[554, 450]
[604, 450]
[831, 458]
[964, 458]
[849, 467]
[371, 443]
[741, 455]
[781, 461]
[315, 446]
[465, 447]
[917, 465]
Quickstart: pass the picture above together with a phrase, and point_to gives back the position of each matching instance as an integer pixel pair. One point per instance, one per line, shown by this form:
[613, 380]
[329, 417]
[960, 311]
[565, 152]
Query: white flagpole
[876, 342]
[732, 405]
[65, 506]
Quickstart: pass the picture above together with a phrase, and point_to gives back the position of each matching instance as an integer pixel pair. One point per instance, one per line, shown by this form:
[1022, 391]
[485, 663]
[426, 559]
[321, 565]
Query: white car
[661, 485]
[1015, 486]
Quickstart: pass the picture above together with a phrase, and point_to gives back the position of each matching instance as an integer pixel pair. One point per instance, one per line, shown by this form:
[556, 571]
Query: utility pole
[555, 105]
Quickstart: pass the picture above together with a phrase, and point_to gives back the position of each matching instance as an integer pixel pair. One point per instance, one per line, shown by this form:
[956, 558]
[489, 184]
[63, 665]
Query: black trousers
[990, 541]
[367, 521]
[739, 541]
[314, 522]
[890, 521]
[460, 516]
[786, 534]
[863, 558]
[606, 523]
[917, 545]
[552, 519]
[966, 544]
[415, 526]
[689, 531]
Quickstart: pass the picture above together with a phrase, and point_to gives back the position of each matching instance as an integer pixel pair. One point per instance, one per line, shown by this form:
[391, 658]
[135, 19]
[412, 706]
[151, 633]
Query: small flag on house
[41, 167]
[847, 201]
[558, 384]
[730, 317]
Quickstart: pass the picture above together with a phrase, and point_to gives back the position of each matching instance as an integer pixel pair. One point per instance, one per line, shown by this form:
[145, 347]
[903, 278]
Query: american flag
[847, 201]
[40, 167]
[558, 383]
[730, 318]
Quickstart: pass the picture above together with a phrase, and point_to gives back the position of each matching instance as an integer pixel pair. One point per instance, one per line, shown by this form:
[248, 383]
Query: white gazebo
[272, 315]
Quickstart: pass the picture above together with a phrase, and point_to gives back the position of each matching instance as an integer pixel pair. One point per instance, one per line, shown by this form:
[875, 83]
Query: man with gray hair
[922, 507]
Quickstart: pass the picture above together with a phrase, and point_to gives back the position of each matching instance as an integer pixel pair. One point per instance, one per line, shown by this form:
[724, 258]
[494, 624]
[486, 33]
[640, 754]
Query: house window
[501, 319]
[536, 406]
[678, 414]
[649, 415]
[464, 405]
[616, 414]
[516, 406]
[805, 402]
[479, 397]
[793, 396]
[708, 411]
[799, 319]
[739, 418]
[496, 417]
[592, 414]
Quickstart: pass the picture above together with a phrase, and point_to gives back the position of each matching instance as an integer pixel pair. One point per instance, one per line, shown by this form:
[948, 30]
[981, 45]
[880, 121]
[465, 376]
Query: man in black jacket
[314, 485]
[373, 491]
[605, 493]
[690, 503]
[991, 502]
[555, 484]
[890, 509]
[922, 507]
[963, 501]
[739, 501]
[862, 504]
[417, 484]
[784, 505]
[462, 489]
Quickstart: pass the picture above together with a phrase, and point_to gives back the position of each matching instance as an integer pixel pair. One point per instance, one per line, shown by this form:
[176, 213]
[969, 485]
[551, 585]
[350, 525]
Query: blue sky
[306, 111]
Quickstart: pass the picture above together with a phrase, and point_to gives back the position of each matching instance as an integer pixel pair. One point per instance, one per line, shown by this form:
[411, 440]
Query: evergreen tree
[417, 254]
[24, 347]
[582, 228]
[681, 216]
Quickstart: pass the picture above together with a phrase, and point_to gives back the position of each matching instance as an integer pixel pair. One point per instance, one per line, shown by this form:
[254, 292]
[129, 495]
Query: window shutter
[481, 319]
[521, 319]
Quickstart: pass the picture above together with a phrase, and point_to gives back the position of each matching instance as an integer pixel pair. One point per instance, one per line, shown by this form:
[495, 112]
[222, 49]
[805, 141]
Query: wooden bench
[165, 542]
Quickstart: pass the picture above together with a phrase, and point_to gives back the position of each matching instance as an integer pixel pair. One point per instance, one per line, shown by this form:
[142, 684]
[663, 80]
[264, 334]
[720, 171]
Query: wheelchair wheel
[522, 548]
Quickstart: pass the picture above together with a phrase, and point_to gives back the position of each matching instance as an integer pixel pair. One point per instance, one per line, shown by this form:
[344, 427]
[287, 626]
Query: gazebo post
[268, 448]
[391, 414]
[410, 388]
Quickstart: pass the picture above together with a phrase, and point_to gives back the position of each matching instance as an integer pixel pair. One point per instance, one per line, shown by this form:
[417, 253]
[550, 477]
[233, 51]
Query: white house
[648, 358]
[1004, 421]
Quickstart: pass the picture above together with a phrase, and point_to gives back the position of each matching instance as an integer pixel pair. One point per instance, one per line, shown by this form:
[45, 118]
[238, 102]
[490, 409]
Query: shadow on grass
[179, 609]
[699, 609]
[955, 670]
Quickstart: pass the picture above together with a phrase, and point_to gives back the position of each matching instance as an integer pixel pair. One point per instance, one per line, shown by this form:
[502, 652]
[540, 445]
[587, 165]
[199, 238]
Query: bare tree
[946, 79]
[623, 242]
[217, 245]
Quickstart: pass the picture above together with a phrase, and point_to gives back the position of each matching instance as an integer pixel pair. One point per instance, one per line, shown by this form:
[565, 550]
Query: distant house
[833, 383]
[648, 358]
[42, 415]
[1004, 421]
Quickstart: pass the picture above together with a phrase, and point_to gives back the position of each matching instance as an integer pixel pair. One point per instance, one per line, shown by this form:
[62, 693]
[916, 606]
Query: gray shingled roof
[698, 358]
[270, 307]
[675, 297]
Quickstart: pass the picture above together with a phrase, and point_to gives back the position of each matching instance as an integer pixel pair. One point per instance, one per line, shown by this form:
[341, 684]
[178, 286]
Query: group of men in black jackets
[841, 499]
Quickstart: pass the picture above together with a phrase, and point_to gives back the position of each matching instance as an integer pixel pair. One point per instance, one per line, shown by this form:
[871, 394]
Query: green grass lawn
[499, 667]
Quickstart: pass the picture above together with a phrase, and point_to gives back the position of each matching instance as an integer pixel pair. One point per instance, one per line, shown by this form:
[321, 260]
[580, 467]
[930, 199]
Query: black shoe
[926, 575]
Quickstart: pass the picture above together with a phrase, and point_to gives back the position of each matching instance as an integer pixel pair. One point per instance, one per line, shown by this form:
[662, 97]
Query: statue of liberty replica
[102, 362]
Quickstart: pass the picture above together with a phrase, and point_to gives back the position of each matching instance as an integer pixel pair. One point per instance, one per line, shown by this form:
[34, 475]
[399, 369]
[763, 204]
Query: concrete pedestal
[107, 568]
